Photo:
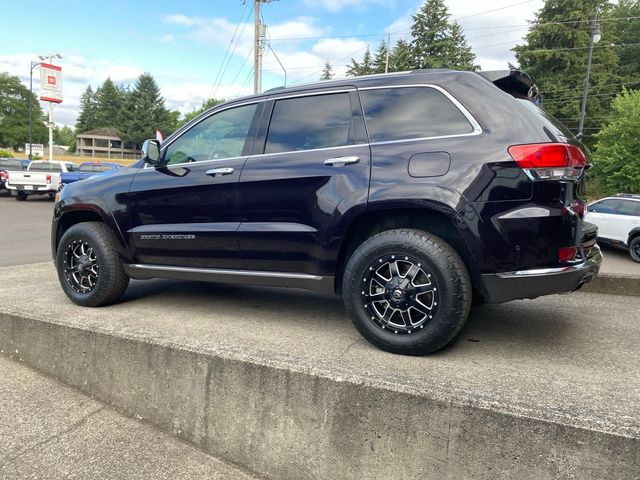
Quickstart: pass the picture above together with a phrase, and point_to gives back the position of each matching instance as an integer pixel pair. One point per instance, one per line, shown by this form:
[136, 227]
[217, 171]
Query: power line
[494, 10]
[592, 86]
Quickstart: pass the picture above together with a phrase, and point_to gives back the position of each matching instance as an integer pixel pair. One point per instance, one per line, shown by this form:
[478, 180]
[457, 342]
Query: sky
[187, 46]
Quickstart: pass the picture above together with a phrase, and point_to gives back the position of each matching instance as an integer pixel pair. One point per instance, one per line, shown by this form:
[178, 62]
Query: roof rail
[627, 195]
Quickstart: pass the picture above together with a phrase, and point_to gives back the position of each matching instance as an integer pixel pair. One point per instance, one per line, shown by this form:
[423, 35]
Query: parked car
[41, 178]
[618, 221]
[408, 194]
[88, 170]
[8, 165]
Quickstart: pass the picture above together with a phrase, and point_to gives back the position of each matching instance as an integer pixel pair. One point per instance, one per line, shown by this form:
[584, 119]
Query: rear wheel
[88, 266]
[407, 291]
[634, 249]
[21, 196]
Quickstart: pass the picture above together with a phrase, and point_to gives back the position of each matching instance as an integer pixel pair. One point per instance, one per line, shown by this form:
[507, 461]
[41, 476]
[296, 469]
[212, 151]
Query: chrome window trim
[275, 97]
[477, 129]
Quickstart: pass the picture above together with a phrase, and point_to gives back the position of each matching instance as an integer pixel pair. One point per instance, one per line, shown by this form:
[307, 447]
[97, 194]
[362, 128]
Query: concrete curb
[614, 284]
[291, 423]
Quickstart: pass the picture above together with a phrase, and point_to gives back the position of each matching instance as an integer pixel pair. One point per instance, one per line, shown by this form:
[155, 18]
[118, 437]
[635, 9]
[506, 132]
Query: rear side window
[306, 123]
[411, 112]
[629, 207]
[605, 206]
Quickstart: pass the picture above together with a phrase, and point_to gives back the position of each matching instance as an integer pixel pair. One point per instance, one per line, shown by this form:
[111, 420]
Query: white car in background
[618, 221]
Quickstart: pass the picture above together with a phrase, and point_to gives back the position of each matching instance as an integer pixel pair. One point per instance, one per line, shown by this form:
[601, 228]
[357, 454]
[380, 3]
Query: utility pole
[258, 34]
[596, 35]
[386, 60]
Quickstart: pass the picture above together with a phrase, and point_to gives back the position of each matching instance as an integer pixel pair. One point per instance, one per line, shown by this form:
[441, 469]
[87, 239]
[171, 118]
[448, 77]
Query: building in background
[104, 142]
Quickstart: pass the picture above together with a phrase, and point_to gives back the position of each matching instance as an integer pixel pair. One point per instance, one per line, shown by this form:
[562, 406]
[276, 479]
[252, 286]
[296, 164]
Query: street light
[33, 65]
[596, 36]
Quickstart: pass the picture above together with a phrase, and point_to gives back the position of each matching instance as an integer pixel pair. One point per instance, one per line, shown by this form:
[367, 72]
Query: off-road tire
[112, 281]
[448, 272]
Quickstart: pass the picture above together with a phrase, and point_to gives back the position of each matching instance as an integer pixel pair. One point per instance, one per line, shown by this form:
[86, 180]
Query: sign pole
[50, 131]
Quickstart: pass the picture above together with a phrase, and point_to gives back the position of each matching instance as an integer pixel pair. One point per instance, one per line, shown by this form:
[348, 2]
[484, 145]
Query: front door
[185, 213]
[312, 167]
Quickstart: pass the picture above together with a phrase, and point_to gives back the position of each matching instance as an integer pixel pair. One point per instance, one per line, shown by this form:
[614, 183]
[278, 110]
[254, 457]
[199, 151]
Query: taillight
[549, 161]
[566, 254]
[48, 179]
[3, 175]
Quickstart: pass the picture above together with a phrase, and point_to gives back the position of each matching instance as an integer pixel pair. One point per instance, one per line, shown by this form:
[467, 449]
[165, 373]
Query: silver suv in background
[618, 221]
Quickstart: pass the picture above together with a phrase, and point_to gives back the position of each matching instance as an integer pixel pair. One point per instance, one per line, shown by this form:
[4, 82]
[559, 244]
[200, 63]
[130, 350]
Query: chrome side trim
[221, 271]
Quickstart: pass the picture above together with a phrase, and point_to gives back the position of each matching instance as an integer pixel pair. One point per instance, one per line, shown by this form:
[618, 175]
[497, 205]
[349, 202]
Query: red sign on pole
[50, 83]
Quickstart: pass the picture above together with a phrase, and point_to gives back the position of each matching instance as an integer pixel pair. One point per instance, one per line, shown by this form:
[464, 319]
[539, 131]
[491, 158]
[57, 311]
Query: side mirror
[151, 152]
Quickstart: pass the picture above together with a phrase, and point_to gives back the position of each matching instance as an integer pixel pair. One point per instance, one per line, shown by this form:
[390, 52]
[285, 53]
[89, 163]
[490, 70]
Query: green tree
[401, 57]
[617, 151]
[625, 23]
[64, 135]
[555, 55]
[108, 104]
[365, 67]
[14, 114]
[380, 58]
[327, 72]
[437, 42]
[143, 111]
[88, 117]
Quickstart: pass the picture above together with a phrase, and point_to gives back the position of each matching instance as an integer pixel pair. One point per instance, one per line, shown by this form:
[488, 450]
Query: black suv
[408, 194]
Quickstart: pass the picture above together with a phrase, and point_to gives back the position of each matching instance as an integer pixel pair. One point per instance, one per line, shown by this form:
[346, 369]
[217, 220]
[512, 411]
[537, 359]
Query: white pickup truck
[41, 178]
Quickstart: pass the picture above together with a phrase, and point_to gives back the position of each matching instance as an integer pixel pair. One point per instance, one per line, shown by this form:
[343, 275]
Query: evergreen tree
[380, 58]
[437, 43]
[401, 57]
[14, 114]
[88, 117]
[143, 111]
[327, 72]
[63, 136]
[108, 104]
[555, 55]
[361, 68]
[625, 24]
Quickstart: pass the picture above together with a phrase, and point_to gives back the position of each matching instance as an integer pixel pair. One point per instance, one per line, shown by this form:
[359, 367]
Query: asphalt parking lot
[25, 231]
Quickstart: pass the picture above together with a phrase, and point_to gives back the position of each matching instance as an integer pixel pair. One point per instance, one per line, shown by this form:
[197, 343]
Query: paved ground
[28, 239]
[50, 431]
[25, 229]
[564, 358]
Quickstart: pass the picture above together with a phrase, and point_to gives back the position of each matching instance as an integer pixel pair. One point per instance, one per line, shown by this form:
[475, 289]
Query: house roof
[102, 132]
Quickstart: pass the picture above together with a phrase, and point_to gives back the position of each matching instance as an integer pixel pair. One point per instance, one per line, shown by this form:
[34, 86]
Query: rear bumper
[506, 286]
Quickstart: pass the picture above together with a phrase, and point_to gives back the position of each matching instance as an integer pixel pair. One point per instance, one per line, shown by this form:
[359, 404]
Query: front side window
[307, 123]
[222, 135]
[605, 206]
[411, 112]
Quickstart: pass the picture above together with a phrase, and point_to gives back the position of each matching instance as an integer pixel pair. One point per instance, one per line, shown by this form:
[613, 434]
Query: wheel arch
[633, 234]
[437, 222]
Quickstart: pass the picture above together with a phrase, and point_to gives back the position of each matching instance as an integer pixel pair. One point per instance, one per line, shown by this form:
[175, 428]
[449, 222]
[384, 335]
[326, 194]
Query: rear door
[185, 213]
[311, 166]
[625, 219]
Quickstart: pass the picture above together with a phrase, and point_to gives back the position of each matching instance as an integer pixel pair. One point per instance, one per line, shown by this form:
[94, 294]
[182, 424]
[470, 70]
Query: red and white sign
[50, 83]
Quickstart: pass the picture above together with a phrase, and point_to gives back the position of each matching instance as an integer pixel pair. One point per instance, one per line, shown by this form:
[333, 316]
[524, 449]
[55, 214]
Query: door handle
[219, 172]
[341, 161]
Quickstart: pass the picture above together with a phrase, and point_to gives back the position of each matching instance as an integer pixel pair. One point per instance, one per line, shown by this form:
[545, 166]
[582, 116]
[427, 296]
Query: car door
[311, 168]
[625, 218]
[599, 213]
[185, 213]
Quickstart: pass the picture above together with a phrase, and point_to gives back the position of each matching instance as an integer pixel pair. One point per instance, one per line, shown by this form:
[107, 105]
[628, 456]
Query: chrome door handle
[219, 172]
[341, 161]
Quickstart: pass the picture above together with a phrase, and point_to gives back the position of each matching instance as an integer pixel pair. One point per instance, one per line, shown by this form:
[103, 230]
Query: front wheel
[407, 291]
[89, 269]
[634, 249]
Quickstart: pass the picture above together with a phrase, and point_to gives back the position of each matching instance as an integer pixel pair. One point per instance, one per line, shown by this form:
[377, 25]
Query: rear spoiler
[515, 82]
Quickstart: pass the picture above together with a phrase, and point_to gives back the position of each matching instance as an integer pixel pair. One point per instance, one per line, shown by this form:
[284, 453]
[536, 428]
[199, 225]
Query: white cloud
[168, 39]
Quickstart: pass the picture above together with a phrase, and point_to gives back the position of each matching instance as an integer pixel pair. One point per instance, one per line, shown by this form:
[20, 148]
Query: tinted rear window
[629, 207]
[11, 164]
[411, 112]
[305, 123]
[605, 206]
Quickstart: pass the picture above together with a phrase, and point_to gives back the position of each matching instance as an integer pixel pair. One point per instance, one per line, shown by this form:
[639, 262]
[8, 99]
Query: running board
[315, 283]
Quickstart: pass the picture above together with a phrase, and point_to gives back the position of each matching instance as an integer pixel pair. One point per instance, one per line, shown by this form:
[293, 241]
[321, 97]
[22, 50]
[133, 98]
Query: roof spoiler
[515, 82]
